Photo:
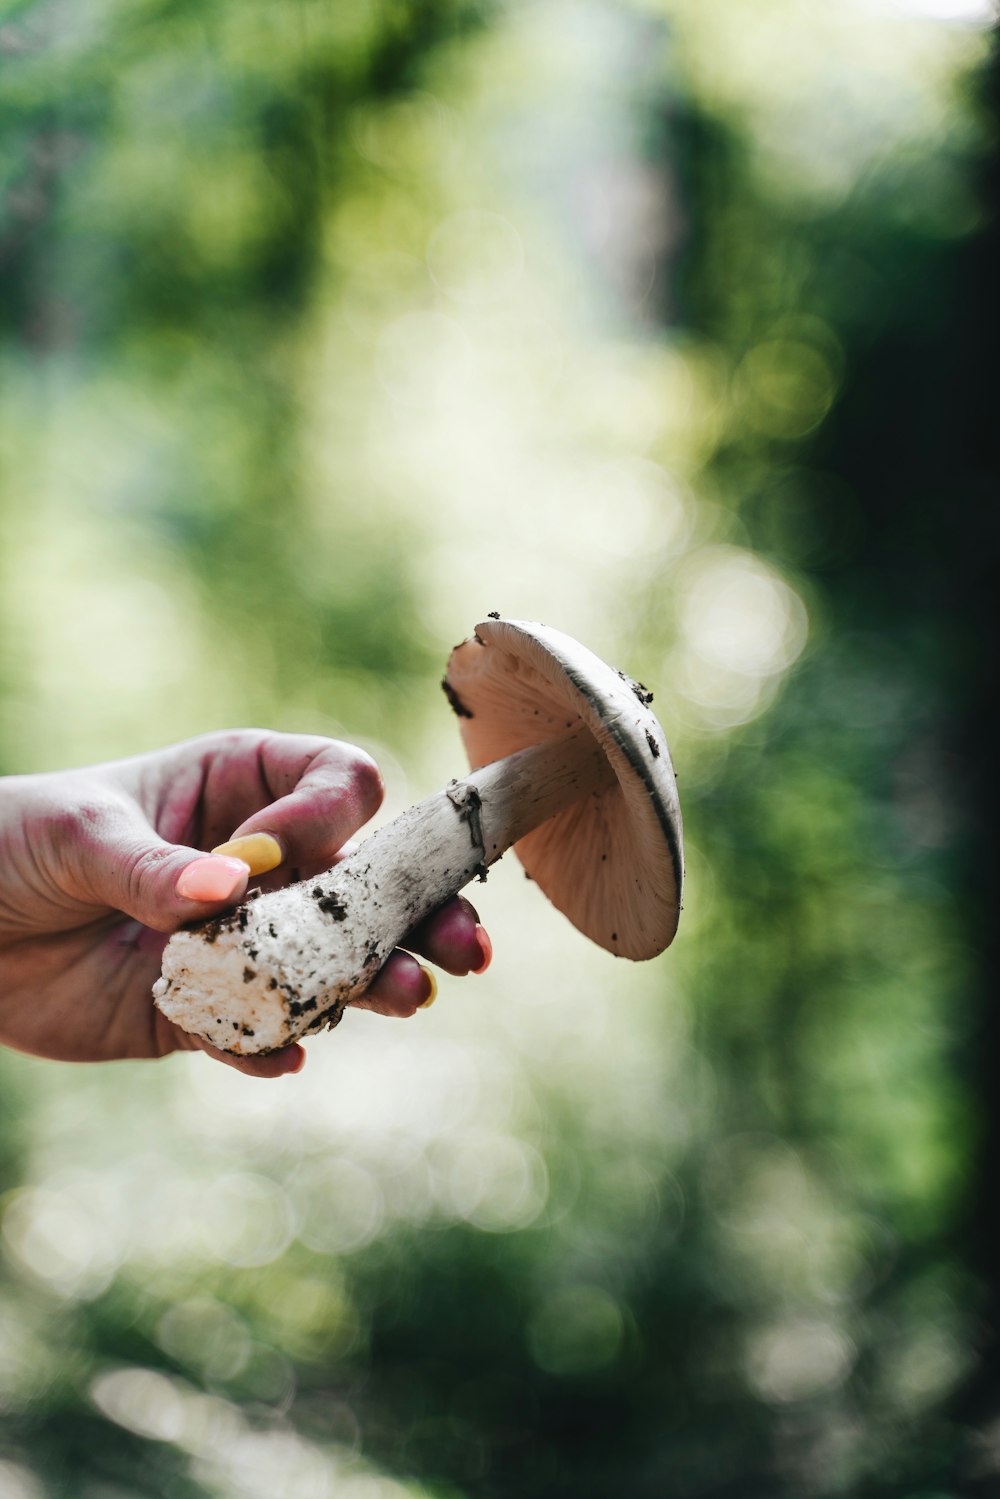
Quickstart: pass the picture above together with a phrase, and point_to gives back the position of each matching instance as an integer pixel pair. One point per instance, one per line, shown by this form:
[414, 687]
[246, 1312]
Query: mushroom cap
[612, 862]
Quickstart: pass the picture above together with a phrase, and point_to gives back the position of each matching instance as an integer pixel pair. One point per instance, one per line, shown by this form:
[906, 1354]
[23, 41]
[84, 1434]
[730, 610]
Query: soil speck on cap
[249, 974]
[640, 689]
[493, 614]
[457, 706]
[654, 748]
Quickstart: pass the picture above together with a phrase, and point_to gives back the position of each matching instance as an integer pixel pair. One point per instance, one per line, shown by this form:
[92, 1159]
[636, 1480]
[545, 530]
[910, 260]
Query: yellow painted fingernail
[425, 1004]
[259, 850]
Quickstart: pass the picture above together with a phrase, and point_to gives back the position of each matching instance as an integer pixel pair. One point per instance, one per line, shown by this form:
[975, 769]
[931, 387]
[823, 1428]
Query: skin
[88, 877]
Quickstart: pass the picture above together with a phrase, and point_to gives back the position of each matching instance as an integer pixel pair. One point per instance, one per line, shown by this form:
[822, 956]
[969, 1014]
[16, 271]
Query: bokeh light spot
[579, 1329]
[786, 387]
[143, 1401]
[475, 257]
[496, 1182]
[339, 1203]
[741, 626]
[56, 1241]
[737, 614]
[17, 1483]
[798, 1359]
[246, 1220]
[207, 1336]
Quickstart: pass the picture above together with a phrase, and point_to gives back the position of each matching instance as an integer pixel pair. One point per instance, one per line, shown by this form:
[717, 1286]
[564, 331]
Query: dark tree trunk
[976, 520]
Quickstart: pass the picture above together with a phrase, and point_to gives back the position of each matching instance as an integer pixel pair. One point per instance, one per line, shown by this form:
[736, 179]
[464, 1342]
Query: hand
[89, 885]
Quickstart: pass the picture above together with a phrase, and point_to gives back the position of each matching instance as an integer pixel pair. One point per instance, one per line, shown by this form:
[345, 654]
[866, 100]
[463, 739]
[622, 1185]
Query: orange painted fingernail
[425, 1004]
[212, 878]
[262, 852]
[485, 948]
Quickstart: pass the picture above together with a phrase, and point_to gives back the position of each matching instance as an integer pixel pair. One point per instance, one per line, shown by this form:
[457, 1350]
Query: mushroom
[569, 766]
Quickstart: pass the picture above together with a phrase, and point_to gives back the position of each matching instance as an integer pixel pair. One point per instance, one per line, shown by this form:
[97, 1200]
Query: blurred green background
[326, 329]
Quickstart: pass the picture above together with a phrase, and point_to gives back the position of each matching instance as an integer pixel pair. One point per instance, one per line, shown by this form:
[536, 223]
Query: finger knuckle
[367, 786]
[141, 870]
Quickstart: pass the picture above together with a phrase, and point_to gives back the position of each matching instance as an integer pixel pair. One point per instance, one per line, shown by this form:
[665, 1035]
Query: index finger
[324, 790]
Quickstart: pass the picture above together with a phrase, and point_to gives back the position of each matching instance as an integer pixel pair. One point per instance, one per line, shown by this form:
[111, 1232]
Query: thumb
[164, 885]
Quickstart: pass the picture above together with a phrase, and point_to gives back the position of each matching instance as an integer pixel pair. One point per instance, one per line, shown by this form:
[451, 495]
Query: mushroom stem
[454, 835]
[287, 963]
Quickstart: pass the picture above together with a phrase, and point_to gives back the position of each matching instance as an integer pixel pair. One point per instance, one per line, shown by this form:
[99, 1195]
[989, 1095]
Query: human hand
[96, 863]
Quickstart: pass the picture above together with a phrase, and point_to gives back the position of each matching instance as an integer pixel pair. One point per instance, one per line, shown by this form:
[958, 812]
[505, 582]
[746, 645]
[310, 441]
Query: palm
[85, 995]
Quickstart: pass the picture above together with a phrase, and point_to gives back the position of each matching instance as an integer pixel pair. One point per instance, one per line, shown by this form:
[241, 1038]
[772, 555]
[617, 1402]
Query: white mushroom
[569, 765]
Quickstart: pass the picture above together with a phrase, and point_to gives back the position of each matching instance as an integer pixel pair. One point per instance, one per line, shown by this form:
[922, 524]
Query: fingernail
[259, 850]
[211, 878]
[485, 949]
[425, 1004]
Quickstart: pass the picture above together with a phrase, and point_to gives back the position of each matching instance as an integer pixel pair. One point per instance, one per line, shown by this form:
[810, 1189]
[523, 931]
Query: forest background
[326, 329]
